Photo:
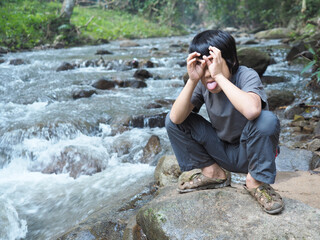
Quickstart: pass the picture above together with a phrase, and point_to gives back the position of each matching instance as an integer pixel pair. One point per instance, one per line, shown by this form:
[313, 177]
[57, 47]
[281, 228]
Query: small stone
[103, 52]
[17, 61]
[104, 84]
[65, 66]
[142, 74]
[314, 145]
[308, 129]
[83, 94]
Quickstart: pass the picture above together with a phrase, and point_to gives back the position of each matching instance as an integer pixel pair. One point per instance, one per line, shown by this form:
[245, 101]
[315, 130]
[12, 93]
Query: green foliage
[113, 24]
[23, 24]
[314, 64]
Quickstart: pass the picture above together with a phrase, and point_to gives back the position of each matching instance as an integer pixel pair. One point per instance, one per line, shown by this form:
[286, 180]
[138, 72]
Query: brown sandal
[197, 181]
[269, 200]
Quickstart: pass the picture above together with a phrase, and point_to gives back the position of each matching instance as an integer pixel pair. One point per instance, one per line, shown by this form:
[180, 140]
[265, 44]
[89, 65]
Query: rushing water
[41, 124]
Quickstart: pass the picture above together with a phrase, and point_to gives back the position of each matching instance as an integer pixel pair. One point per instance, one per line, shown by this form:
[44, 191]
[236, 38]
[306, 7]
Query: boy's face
[209, 82]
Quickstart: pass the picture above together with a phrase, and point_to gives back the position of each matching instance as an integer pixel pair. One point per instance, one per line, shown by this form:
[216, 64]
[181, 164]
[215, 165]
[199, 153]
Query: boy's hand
[214, 61]
[195, 66]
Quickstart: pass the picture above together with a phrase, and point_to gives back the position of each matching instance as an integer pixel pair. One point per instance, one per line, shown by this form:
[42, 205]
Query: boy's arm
[182, 107]
[247, 103]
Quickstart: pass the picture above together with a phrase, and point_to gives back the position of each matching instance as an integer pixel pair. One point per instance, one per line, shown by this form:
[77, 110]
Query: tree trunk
[304, 6]
[67, 9]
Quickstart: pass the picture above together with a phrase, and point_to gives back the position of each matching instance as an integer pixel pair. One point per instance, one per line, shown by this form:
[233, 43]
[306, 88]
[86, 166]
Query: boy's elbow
[174, 119]
[253, 113]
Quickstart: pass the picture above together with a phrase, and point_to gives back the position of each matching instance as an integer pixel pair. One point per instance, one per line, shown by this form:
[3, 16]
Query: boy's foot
[194, 180]
[270, 201]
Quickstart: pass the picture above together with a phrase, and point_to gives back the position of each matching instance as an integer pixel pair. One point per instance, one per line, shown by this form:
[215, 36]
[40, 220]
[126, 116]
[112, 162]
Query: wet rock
[293, 110]
[132, 84]
[153, 105]
[182, 63]
[146, 64]
[152, 148]
[89, 63]
[274, 33]
[100, 62]
[104, 84]
[254, 58]
[103, 52]
[142, 74]
[167, 171]
[102, 41]
[165, 102]
[152, 121]
[296, 159]
[2, 61]
[277, 98]
[83, 94]
[3, 50]
[314, 145]
[65, 66]
[273, 79]
[226, 213]
[76, 162]
[295, 50]
[17, 61]
[117, 65]
[249, 42]
[133, 64]
[317, 129]
[58, 45]
[129, 43]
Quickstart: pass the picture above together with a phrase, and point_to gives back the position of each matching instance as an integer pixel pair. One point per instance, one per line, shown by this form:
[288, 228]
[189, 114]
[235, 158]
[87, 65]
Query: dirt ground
[300, 185]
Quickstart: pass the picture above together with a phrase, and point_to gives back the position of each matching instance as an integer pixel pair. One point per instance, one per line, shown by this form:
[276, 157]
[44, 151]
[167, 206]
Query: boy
[242, 136]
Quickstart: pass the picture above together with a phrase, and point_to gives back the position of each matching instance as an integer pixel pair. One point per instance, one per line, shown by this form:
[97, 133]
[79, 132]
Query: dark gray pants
[196, 145]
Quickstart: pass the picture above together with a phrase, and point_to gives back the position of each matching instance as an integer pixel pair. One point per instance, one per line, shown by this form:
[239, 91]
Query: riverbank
[26, 25]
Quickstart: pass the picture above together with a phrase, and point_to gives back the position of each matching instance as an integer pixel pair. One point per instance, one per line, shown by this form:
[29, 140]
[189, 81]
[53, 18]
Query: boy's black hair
[219, 39]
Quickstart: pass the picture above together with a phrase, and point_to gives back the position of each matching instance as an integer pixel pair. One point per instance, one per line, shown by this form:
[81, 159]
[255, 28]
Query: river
[41, 124]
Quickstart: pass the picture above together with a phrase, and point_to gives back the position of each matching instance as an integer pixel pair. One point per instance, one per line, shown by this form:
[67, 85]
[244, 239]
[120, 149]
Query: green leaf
[306, 68]
[312, 51]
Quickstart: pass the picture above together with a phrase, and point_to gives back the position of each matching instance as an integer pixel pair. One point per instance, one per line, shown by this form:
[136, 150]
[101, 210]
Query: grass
[112, 24]
[24, 23]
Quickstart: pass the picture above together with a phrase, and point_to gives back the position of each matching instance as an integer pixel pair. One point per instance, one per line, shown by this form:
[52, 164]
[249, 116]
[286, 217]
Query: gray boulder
[226, 213]
[296, 159]
[167, 171]
[254, 58]
[277, 98]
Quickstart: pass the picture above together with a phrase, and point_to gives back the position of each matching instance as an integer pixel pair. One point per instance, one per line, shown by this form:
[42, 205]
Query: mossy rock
[274, 33]
[254, 58]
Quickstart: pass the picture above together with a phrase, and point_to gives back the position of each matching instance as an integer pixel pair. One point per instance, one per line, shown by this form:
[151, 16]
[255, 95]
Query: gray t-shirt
[228, 121]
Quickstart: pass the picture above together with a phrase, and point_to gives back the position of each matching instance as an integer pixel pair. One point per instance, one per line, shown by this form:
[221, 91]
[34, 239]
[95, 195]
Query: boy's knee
[267, 123]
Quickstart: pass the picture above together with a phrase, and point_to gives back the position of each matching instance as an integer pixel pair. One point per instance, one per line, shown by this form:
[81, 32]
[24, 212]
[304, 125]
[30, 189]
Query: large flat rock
[296, 159]
[227, 213]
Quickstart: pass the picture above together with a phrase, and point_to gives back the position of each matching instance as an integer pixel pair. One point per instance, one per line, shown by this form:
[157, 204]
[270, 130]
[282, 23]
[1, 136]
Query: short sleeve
[249, 81]
[197, 99]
